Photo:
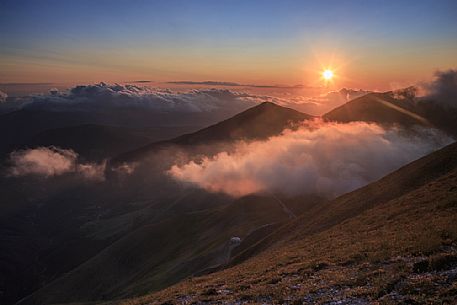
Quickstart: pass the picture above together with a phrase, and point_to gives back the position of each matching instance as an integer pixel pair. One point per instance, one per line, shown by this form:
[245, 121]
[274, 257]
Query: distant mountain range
[268, 119]
[121, 129]
[117, 131]
[75, 242]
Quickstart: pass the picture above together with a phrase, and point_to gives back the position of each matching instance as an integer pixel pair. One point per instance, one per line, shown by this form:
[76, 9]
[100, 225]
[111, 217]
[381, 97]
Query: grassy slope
[399, 245]
[159, 254]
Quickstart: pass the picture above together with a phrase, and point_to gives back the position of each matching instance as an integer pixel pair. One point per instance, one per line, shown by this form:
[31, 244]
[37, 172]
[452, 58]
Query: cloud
[3, 96]
[106, 96]
[233, 84]
[443, 89]
[52, 161]
[206, 83]
[92, 171]
[317, 105]
[334, 99]
[125, 168]
[325, 158]
[408, 93]
[53, 91]
[102, 97]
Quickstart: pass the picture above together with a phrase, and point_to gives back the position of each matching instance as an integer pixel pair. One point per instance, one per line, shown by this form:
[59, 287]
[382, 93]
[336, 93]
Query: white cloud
[92, 171]
[99, 97]
[105, 96]
[3, 96]
[315, 105]
[52, 161]
[43, 161]
[326, 158]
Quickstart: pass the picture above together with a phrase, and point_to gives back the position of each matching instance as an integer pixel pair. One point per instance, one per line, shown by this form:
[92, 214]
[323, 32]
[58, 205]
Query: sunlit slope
[380, 108]
[388, 109]
[392, 241]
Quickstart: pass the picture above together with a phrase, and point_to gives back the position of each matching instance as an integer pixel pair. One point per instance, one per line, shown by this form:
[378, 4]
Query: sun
[327, 74]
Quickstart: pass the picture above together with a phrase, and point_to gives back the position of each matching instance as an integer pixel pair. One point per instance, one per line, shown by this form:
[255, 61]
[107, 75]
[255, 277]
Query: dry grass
[370, 257]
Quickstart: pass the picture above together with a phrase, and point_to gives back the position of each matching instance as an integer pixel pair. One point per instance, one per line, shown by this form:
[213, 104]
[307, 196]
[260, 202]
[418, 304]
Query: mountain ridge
[380, 108]
[256, 123]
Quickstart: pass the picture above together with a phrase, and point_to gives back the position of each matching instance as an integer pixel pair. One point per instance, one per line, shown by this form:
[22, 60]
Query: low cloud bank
[3, 96]
[311, 105]
[324, 103]
[442, 89]
[52, 161]
[324, 158]
[102, 96]
[105, 96]
[234, 84]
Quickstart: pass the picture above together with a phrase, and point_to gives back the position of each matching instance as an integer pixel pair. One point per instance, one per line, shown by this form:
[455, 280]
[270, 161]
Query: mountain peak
[259, 122]
[270, 108]
[382, 108]
[267, 104]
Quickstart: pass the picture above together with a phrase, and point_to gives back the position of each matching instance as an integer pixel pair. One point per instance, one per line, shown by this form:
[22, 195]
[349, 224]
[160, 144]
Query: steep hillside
[387, 109]
[393, 241]
[380, 108]
[160, 253]
[259, 122]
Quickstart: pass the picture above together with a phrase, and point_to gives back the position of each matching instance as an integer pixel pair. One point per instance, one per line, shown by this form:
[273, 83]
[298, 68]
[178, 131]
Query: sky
[372, 45]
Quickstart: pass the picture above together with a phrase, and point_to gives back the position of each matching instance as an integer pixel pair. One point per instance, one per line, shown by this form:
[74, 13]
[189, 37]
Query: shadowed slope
[393, 241]
[259, 122]
[158, 254]
[101, 141]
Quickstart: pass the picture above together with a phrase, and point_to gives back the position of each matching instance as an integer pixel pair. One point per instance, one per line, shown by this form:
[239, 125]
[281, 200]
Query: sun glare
[327, 74]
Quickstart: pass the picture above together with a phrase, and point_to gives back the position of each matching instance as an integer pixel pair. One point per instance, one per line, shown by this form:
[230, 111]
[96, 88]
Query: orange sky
[370, 46]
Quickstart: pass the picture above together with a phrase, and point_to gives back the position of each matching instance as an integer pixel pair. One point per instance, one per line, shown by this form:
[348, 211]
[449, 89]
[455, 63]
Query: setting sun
[163, 153]
[327, 74]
